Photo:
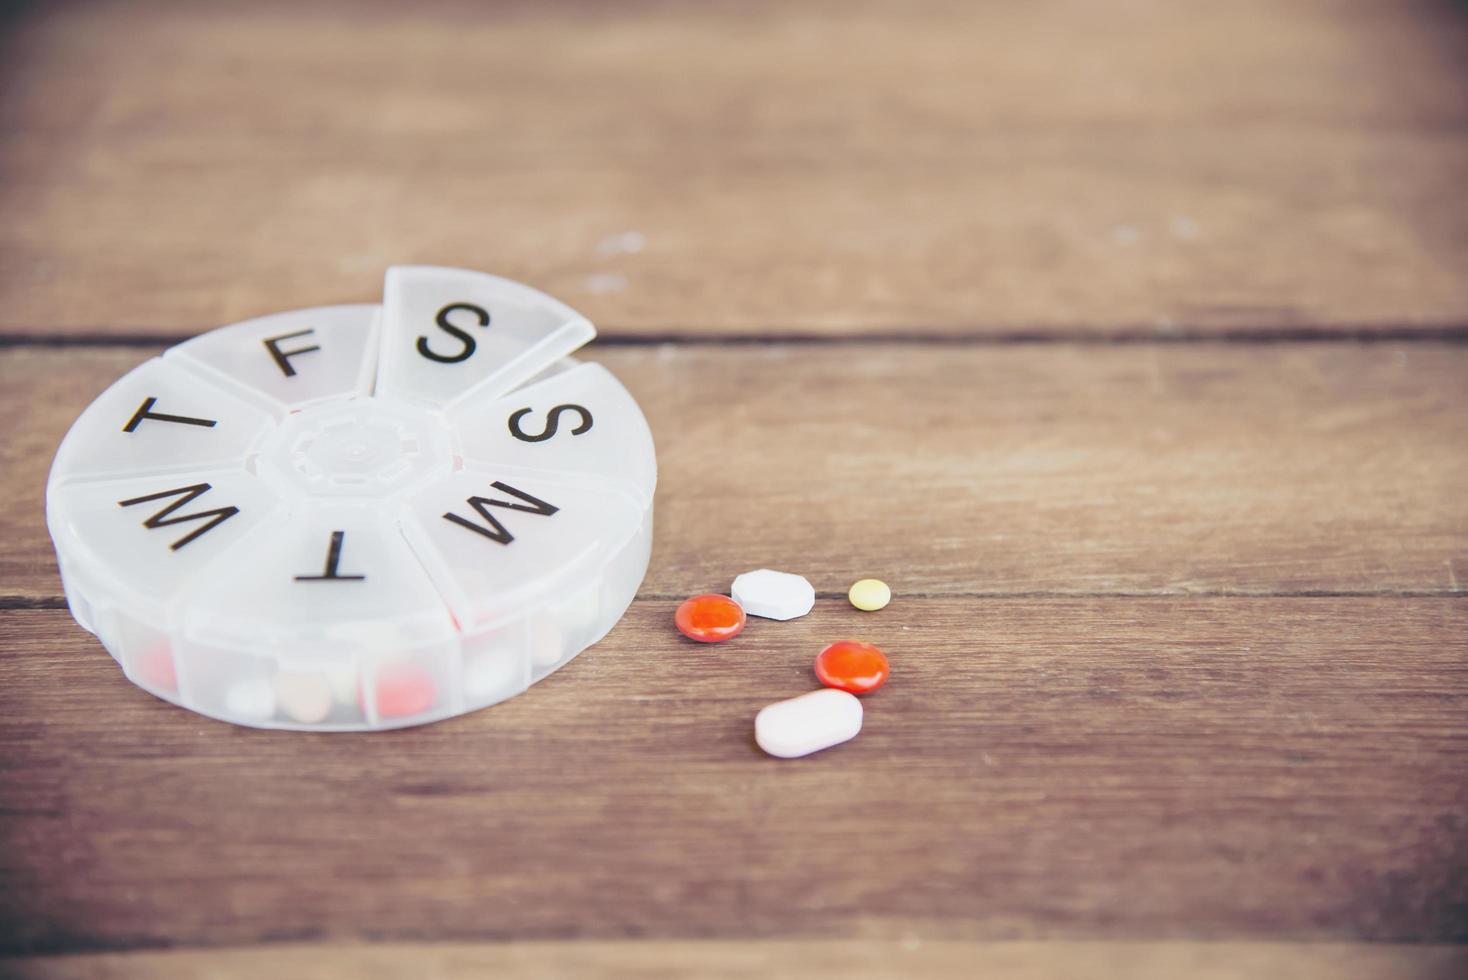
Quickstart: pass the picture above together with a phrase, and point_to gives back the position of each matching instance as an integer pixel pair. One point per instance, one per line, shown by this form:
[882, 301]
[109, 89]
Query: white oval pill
[304, 696]
[809, 723]
[773, 595]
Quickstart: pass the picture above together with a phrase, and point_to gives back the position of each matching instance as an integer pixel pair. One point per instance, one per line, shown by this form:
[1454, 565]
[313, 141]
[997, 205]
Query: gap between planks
[849, 959]
[20, 602]
[1444, 334]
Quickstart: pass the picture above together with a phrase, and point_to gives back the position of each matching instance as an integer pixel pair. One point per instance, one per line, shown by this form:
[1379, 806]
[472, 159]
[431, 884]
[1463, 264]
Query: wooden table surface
[1126, 341]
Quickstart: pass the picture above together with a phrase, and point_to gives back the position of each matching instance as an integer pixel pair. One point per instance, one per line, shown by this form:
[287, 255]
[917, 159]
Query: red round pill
[859, 668]
[157, 668]
[403, 690]
[710, 618]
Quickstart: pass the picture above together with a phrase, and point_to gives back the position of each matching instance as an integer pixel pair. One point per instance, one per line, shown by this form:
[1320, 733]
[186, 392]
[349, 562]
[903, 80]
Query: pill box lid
[419, 507]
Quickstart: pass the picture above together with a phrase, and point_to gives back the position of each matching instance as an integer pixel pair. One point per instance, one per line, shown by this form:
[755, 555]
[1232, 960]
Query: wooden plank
[1189, 468]
[746, 169]
[1081, 768]
[756, 960]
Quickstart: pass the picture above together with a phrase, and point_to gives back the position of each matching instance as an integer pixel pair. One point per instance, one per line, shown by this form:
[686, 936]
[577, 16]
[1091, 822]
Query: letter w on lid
[450, 333]
[185, 496]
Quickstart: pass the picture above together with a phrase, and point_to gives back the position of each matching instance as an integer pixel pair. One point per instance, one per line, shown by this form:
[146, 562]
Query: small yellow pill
[870, 594]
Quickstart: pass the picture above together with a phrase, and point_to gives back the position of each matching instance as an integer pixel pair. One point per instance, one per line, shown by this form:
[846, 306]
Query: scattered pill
[869, 594]
[304, 696]
[252, 698]
[851, 666]
[710, 618]
[773, 595]
[403, 690]
[808, 723]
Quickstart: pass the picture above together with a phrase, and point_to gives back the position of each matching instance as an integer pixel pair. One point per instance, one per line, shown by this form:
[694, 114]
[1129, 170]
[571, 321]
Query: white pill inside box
[773, 595]
[809, 723]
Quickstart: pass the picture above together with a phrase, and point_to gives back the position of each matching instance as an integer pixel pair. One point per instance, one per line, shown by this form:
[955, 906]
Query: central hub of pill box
[365, 447]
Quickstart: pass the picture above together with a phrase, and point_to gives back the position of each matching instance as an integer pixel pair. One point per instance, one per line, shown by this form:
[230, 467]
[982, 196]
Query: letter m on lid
[185, 495]
[492, 528]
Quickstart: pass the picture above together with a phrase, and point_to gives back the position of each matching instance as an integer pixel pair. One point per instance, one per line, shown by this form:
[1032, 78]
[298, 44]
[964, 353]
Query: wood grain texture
[1055, 167]
[761, 960]
[1068, 768]
[989, 470]
[1180, 648]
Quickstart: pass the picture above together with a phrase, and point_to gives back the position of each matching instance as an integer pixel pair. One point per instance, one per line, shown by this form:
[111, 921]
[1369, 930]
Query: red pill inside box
[157, 668]
[403, 690]
[710, 618]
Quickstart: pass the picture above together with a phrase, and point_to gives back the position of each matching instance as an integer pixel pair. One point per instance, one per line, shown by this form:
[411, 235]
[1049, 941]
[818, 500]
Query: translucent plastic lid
[358, 517]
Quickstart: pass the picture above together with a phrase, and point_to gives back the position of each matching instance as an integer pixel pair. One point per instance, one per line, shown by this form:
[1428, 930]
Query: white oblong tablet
[809, 723]
[773, 595]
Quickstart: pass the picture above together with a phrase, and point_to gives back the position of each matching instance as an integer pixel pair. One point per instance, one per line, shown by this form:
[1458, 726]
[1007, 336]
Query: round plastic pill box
[358, 517]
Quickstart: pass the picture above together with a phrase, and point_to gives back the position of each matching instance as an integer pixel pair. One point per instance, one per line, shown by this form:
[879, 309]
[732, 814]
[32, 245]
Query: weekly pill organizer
[358, 517]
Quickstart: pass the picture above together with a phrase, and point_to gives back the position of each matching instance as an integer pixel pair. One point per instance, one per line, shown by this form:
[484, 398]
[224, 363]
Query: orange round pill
[859, 668]
[710, 618]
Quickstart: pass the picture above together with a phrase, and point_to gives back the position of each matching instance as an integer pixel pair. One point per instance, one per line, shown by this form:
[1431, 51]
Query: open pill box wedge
[358, 517]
